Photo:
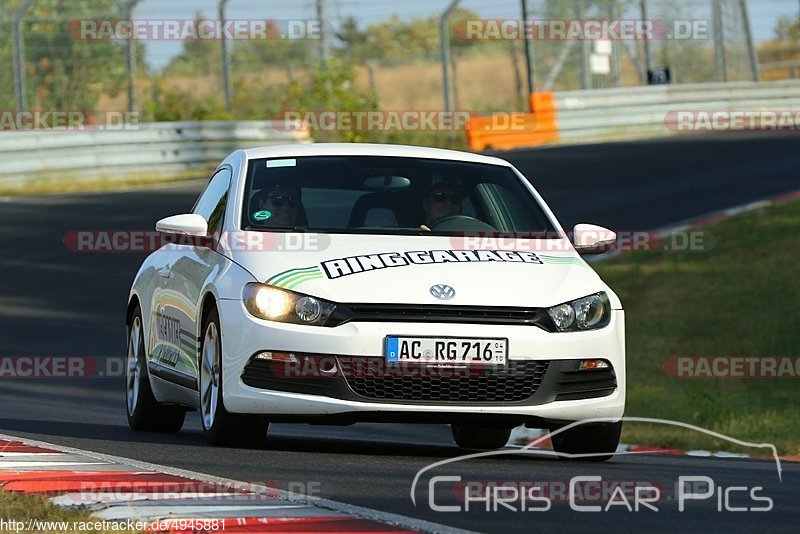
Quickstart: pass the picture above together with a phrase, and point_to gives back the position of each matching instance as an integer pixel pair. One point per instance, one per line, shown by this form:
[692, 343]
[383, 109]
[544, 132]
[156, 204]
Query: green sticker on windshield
[262, 215]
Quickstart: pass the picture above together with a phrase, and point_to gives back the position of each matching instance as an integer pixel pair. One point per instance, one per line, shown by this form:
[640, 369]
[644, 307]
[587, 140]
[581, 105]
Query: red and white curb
[522, 436]
[705, 220]
[119, 489]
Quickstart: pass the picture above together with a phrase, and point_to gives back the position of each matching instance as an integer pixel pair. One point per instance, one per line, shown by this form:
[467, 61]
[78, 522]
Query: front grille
[515, 383]
[403, 313]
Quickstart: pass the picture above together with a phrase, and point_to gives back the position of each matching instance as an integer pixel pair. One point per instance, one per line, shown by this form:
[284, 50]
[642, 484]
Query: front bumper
[243, 336]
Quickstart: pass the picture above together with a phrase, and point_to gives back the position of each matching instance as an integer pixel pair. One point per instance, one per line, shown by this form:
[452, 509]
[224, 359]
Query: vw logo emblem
[443, 292]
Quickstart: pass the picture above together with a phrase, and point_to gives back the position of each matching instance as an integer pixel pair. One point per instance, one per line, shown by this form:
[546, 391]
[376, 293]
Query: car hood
[403, 269]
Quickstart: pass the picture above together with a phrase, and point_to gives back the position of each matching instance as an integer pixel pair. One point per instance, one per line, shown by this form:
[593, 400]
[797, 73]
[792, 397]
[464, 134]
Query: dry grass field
[485, 82]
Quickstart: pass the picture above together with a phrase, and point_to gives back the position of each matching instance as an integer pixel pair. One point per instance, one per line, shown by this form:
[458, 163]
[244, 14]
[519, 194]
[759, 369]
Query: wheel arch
[207, 304]
[133, 303]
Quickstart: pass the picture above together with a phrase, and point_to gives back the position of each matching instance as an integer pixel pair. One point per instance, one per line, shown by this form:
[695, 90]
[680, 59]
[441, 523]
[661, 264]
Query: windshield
[389, 195]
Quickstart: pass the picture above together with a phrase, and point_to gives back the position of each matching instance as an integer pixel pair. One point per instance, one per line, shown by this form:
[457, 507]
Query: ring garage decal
[262, 215]
[340, 267]
[174, 347]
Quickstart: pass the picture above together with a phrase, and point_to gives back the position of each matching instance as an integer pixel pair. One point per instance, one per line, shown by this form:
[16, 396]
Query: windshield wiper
[297, 229]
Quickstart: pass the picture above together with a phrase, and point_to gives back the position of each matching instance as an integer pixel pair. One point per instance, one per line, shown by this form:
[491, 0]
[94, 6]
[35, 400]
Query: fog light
[308, 309]
[328, 367]
[588, 365]
[277, 357]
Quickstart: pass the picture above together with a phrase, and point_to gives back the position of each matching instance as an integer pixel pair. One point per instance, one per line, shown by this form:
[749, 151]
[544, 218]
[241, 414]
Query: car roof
[366, 149]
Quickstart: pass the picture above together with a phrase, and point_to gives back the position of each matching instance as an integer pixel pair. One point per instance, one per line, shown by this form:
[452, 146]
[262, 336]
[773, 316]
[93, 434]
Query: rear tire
[144, 411]
[220, 426]
[598, 439]
[479, 437]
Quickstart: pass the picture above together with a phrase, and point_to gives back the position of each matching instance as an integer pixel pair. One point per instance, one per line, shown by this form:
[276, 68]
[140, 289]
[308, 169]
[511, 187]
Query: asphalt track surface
[54, 302]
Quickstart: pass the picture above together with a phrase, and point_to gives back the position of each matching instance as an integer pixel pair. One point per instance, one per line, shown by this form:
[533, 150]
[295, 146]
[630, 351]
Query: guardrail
[157, 149]
[625, 113]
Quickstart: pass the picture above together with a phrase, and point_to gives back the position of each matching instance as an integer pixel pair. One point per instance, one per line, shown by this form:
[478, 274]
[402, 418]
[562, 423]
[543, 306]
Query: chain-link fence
[375, 62]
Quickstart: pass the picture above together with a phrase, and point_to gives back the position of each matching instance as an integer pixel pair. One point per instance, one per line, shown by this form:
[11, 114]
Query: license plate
[447, 350]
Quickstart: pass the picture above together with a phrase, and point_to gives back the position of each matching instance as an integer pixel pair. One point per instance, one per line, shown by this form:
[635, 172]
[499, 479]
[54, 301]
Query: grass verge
[50, 185]
[739, 297]
[35, 514]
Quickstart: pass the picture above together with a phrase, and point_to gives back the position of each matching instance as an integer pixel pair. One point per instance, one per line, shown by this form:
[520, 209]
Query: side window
[506, 210]
[211, 204]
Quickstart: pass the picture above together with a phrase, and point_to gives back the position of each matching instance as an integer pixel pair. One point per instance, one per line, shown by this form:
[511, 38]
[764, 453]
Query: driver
[442, 200]
[281, 205]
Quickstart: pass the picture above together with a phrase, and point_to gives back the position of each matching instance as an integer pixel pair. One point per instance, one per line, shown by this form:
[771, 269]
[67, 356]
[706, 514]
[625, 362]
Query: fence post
[19, 55]
[615, 65]
[586, 77]
[648, 57]
[324, 49]
[751, 47]
[226, 68]
[444, 44]
[129, 7]
[719, 42]
[528, 50]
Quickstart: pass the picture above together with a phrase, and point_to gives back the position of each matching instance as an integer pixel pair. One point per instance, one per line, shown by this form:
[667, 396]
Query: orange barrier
[516, 130]
[542, 102]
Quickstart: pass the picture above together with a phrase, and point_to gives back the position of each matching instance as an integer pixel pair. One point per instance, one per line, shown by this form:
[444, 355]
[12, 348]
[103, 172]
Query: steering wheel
[456, 223]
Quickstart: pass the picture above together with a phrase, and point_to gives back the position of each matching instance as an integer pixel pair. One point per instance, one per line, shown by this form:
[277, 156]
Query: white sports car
[341, 283]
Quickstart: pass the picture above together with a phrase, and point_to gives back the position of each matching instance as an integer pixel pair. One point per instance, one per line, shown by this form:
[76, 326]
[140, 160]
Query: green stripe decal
[186, 357]
[294, 282]
[556, 260]
[292, 272]
[280, 277]
[285, 279]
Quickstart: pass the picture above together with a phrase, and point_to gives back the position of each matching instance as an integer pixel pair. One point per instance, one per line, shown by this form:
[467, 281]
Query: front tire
[144, 411]
[220, 426]
[479, 437]
[600, 440]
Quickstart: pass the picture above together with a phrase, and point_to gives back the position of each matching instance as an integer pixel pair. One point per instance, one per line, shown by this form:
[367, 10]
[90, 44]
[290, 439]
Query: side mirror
[187, 224]
[592, 239]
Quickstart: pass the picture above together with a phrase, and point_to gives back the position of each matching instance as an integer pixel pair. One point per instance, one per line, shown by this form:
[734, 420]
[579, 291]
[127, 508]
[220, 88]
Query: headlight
[587, 313]
[275, 304]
